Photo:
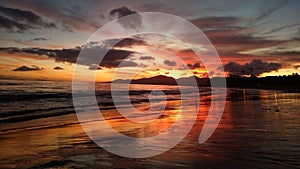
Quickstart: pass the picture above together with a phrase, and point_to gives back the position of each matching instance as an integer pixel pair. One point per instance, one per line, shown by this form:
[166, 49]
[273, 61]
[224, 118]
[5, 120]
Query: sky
[43, 39]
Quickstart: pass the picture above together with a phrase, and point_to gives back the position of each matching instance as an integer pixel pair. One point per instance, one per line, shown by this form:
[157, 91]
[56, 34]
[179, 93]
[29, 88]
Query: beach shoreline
[251, 134]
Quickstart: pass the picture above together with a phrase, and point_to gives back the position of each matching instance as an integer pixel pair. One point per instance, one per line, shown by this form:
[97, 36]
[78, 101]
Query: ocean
[39, 128]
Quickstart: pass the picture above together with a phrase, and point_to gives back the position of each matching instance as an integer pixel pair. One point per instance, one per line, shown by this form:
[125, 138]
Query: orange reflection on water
[42, 136]
[166, 119]
[142, 130]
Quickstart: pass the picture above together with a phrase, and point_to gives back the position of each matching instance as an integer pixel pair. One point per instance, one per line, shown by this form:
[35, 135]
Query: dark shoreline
[286, 89]
[288, 84]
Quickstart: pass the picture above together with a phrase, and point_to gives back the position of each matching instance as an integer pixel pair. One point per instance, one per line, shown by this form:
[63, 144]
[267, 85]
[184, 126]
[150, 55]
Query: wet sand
[67, 146]
[251, 134]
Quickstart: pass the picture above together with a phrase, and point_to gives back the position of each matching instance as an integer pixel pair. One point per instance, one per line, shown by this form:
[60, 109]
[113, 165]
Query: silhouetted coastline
[288, 83]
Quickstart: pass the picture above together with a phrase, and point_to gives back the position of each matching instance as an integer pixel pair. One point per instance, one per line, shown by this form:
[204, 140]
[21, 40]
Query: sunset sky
[42, 39]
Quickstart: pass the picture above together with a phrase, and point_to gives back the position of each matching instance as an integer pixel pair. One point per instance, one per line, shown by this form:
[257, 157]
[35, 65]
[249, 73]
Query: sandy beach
[251, 134]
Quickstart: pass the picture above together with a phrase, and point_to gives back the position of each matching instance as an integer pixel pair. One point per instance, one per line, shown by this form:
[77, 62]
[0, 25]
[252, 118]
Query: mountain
[159, 80]
[165, 80]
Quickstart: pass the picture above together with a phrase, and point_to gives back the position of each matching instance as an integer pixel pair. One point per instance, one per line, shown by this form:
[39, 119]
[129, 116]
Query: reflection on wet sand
[251, 134]
[141, 130]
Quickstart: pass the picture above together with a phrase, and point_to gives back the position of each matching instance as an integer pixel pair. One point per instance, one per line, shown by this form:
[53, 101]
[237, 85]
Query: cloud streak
[17, 20]
[215, 21]
[147, 58]
[26, 68]
[126, 42]
[112, 58]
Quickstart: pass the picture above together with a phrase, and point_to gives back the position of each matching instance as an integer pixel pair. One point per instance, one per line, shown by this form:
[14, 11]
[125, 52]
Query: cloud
[135, 20]
[147, 58]
[297, 67]
[215, 21]
[89, 56]
[233, 38]
[58, 68]
[128, 64]
[194, 66]
[17, 20]
[69, 16]
[268, 12]
[236, 42]
[34, 42]
[285, 53]
[67, 28]
[255, 67]
[288, 56]
[122, 11]
[39, 39]
[278, 29]
[170, 63]
[238, 39]
[25, 68]
[94, 67]
[12, 26]
[114, 57]
[234, 68]
[126, 42]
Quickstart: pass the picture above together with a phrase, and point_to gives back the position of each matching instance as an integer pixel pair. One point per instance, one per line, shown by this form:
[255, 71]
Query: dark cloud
[69, 16]
[238, 39]
[289, 57]
[89, 55]
[147, 58]
[12, 26]
[114, 57]
[40, 39]
[94, 67]
[135, 20]
[297, 67]
[170, 63]
[60, 55]
[122, 11]
[17, 20]
[128, 64]
[25, 68]
[58, 68]
[126, 42]
[234, 68]
[194, 66]
[255, 67]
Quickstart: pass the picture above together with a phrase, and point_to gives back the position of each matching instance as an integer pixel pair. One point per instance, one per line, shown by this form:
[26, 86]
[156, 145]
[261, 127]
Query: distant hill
[165, 80]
